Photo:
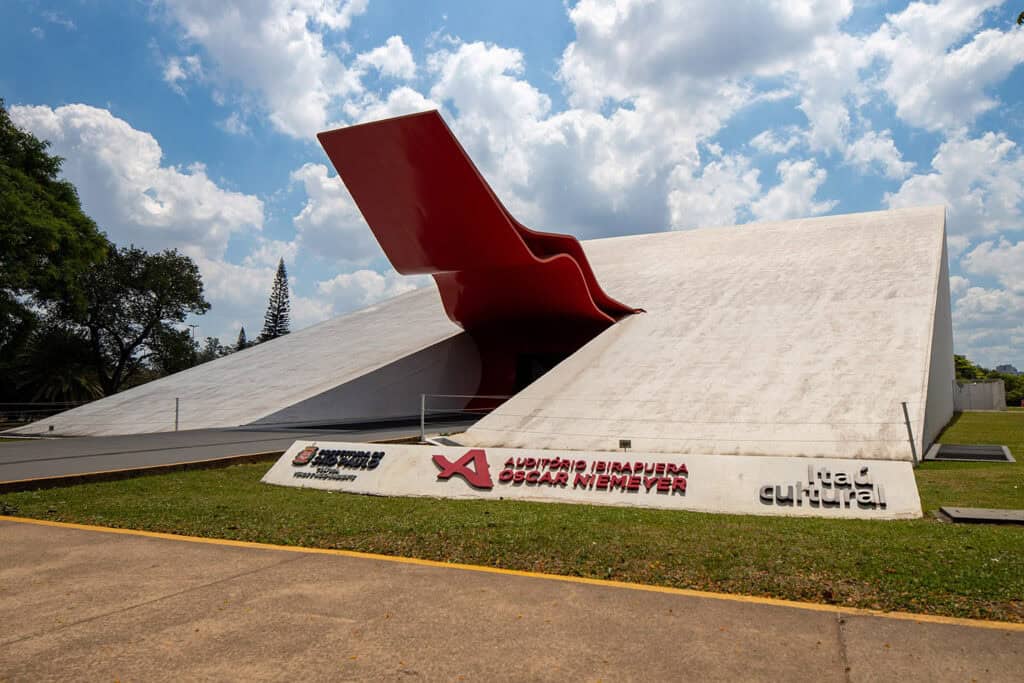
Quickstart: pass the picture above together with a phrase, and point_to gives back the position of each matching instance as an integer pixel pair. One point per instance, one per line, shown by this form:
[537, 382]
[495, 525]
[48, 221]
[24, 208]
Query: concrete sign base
[759, 485]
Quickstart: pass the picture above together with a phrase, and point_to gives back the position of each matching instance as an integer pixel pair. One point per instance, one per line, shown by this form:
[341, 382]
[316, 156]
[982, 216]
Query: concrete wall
[267, 379]
[987, 395]
[941, 371]
[793, 338]
[448, 367]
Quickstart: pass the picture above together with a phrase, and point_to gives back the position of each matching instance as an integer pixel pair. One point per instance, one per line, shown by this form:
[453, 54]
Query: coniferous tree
[242, 342]
[275, 322]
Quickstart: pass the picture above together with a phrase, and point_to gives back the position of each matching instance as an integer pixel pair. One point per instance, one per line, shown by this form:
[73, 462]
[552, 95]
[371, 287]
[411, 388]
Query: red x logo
[479, 477]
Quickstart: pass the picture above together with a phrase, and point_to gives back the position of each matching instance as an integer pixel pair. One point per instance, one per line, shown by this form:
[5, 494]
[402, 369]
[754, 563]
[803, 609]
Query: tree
[173, 350]
[56, 366]
[242, 342]
[212, 350]
[132, 298]
[275, 322]
[966, 369]
[46, 242]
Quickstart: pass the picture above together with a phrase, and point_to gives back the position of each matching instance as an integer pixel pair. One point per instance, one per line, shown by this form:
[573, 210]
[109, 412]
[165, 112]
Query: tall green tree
[172, 350]
[47, 243]
[56, 366]
[242, 342]
[276, 321]
[132, 299]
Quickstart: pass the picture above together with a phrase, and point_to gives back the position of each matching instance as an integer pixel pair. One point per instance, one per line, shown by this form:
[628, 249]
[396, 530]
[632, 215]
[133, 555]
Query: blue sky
[190, 124]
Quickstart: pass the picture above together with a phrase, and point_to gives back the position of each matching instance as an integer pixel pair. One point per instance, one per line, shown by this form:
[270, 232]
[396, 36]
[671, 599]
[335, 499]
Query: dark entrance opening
[531, 366]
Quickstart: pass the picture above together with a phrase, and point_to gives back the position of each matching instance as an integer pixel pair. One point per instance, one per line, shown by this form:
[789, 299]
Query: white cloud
[180, 69]
[827, 78]
[715, 196]
[126, 188]
[769, 142]
[330, 225]
[401, 100]
[60, 20]
[483, 82]
[308, 311]
[794, 196]
[277, 49]
[980, 311]
[136, 199]
[956, 244]
[239, 293]
[235, 285]
[234, 124]
[588, 172]
[980, 180]
[349, 291]
[393, 58]
[987, 320]
[269, 252]
[958, 286]
[1002, 260]
[877, 149]
[936, 79]
[682, 47]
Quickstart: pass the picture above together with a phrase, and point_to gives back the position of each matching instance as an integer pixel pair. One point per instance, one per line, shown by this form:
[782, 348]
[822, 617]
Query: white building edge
[794, 338]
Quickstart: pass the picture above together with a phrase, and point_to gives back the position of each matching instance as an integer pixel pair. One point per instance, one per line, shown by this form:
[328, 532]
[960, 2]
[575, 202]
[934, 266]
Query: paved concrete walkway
[89, 605]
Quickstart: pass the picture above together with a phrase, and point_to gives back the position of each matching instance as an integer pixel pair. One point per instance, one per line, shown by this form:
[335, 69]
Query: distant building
[980, 394]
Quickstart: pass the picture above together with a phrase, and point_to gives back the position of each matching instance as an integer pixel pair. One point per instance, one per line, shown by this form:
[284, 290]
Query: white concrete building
[791, 338]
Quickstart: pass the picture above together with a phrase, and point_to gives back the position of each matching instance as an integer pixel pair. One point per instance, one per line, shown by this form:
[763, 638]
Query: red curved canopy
[433, 212]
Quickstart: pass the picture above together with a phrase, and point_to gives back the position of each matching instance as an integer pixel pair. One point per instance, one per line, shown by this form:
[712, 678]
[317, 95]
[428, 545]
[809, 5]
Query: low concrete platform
[942, 452]
[78, 456]
[93, 605]
[983, 515]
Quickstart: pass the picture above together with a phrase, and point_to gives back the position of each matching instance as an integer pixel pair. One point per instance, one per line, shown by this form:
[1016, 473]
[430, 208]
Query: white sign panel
[760, 485]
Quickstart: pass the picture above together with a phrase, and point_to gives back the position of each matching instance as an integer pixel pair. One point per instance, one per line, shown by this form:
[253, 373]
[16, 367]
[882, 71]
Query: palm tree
[56, 366]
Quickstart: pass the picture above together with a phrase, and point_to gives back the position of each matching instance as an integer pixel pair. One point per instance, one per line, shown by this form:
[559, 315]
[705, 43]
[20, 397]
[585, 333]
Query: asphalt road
[95, 605]
[62, 457]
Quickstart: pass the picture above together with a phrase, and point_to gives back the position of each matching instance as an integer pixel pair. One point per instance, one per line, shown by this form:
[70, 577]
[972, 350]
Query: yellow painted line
[688, 592]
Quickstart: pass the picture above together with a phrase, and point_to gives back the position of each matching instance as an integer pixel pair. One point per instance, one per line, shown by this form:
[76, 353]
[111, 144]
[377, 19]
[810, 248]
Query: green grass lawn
[971, 484]
[920, 565]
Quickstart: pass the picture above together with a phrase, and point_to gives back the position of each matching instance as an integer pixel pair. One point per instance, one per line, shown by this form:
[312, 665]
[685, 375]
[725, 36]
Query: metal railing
[465, 409]
[19, 414]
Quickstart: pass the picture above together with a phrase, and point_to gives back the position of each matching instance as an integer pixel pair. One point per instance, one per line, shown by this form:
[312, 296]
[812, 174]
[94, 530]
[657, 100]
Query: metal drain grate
[969, 453]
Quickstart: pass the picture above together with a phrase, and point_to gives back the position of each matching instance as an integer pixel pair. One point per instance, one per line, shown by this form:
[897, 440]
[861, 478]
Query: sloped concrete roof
[792, 338]
[245, 386]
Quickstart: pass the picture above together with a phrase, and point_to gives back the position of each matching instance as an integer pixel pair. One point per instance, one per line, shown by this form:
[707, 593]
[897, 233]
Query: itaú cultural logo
[479, 477]
[828, 489]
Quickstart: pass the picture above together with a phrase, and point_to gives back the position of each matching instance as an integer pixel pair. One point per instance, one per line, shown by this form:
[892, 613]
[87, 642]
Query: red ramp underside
[522, 294]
